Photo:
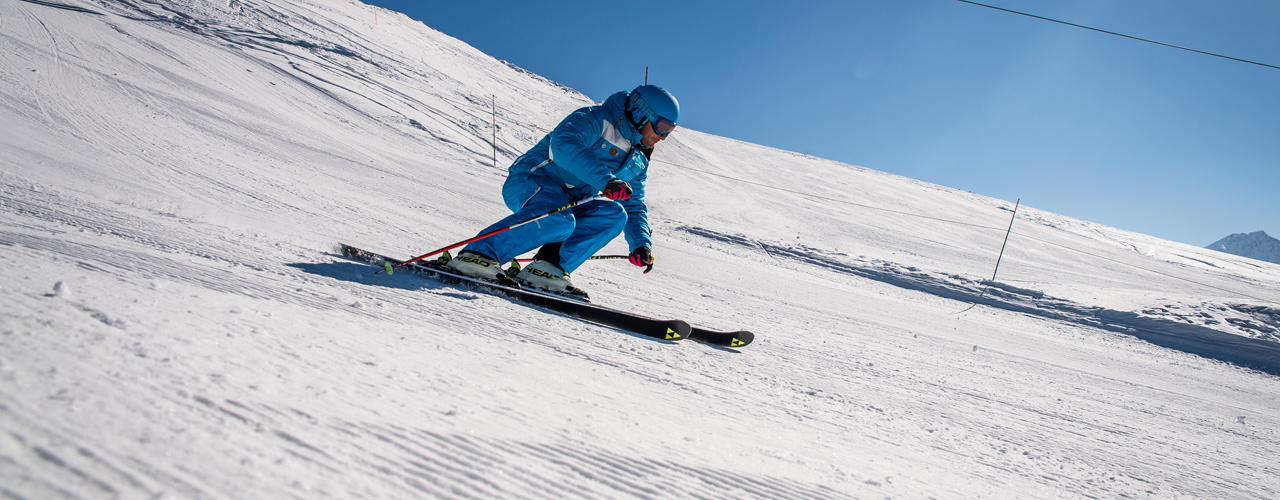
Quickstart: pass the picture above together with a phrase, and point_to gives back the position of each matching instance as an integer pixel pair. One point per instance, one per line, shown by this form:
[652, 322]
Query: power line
[1120, 34]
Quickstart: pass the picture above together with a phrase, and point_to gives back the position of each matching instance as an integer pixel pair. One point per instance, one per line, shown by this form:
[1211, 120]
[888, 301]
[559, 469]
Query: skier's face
[651, 138]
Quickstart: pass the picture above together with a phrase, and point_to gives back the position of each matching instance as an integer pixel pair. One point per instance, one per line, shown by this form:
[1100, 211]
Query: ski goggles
[663, 126]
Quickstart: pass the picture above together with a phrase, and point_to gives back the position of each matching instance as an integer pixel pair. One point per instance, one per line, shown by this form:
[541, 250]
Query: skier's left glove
[617, 189]
[642, 257]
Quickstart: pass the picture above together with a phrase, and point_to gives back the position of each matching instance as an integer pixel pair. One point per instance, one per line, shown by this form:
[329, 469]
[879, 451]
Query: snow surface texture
[1256, 245]
[173, 321]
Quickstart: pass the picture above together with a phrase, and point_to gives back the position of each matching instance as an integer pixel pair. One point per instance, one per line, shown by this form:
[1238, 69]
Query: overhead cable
[1120, 34]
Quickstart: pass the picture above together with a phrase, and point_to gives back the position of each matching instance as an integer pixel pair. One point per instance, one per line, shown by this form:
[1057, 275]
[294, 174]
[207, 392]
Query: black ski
[727, 339]
[661, 329]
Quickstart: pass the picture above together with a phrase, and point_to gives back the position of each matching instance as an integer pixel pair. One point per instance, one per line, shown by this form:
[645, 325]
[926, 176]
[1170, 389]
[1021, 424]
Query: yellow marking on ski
[672, 334]
[735, 343]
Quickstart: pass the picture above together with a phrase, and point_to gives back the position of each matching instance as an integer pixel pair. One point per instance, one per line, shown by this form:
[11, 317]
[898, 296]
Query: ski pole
[515, 267]
[594, 257]
[488, 234]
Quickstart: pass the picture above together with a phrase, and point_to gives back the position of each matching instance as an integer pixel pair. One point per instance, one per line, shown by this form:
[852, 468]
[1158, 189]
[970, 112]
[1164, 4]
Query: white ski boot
[544, 275]
[476, 265]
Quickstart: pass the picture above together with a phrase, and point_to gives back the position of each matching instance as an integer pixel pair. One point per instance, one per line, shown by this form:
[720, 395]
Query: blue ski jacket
[590, 147]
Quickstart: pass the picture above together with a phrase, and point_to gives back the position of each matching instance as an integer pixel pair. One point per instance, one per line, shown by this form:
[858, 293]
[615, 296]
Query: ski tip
[740, 339]
[724, 339]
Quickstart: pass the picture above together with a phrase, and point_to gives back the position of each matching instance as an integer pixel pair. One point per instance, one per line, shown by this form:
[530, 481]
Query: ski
[727, 339]
[672, 330]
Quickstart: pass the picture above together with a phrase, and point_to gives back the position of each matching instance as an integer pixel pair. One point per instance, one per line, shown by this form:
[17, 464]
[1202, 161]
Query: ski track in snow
[174, 321]
[424, 462]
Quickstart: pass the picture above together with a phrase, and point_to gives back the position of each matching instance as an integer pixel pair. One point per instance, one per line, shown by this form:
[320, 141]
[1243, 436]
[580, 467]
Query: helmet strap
[631, 116]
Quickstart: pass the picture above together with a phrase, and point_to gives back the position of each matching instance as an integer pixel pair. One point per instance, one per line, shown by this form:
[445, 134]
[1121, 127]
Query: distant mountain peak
[1256, 245]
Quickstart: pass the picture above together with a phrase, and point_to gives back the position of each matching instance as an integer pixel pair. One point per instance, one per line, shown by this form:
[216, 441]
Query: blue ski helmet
[657, 106]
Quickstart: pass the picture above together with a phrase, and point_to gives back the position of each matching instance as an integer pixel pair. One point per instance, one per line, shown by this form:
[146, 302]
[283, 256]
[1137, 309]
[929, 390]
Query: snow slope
[174, 323]
[1256, 245]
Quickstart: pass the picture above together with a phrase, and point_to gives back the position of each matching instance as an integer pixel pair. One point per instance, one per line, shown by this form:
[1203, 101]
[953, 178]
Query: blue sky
[1162, 141]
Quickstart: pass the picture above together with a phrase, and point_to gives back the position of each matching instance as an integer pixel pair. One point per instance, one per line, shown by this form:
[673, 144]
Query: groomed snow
[174, 323]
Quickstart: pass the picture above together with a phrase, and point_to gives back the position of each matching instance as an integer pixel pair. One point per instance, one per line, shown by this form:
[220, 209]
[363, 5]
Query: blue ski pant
[584, 229]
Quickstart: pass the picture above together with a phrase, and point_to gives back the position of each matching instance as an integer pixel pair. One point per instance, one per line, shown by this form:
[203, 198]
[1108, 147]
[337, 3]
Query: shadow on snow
[365, 274]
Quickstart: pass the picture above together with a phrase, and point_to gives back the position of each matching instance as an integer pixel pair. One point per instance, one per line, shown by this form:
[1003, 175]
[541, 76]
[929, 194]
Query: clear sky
[1153, 139]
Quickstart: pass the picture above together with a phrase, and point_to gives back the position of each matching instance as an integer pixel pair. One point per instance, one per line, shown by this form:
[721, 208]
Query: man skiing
[602, 149]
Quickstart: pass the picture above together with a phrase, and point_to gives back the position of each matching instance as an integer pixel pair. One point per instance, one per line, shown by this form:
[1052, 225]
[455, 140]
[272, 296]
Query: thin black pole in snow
[1006, 238]
[646, 75]
[988, 284]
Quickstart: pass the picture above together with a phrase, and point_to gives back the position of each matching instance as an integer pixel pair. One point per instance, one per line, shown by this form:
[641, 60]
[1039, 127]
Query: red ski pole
[490, 233]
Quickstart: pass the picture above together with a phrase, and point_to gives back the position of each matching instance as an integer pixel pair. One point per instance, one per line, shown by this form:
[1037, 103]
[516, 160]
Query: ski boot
[543, 275]
[476, 265]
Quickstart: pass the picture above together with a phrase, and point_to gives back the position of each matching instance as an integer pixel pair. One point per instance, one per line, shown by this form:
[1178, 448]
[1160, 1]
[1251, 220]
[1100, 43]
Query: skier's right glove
[616, 190]
[642, 257]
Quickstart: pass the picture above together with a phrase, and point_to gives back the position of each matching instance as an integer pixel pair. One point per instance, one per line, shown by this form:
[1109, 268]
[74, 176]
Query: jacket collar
[616, 105]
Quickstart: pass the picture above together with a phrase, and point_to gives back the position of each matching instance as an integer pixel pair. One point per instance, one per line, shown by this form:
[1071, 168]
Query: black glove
[617, 189]
[642, 257]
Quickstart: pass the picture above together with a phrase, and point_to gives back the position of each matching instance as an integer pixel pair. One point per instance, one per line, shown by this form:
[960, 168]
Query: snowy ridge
[1256, 245]
[1159, 326]
[174, 321]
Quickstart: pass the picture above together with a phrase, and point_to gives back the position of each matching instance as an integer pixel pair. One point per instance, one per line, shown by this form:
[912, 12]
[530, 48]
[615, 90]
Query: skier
[601, 149]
